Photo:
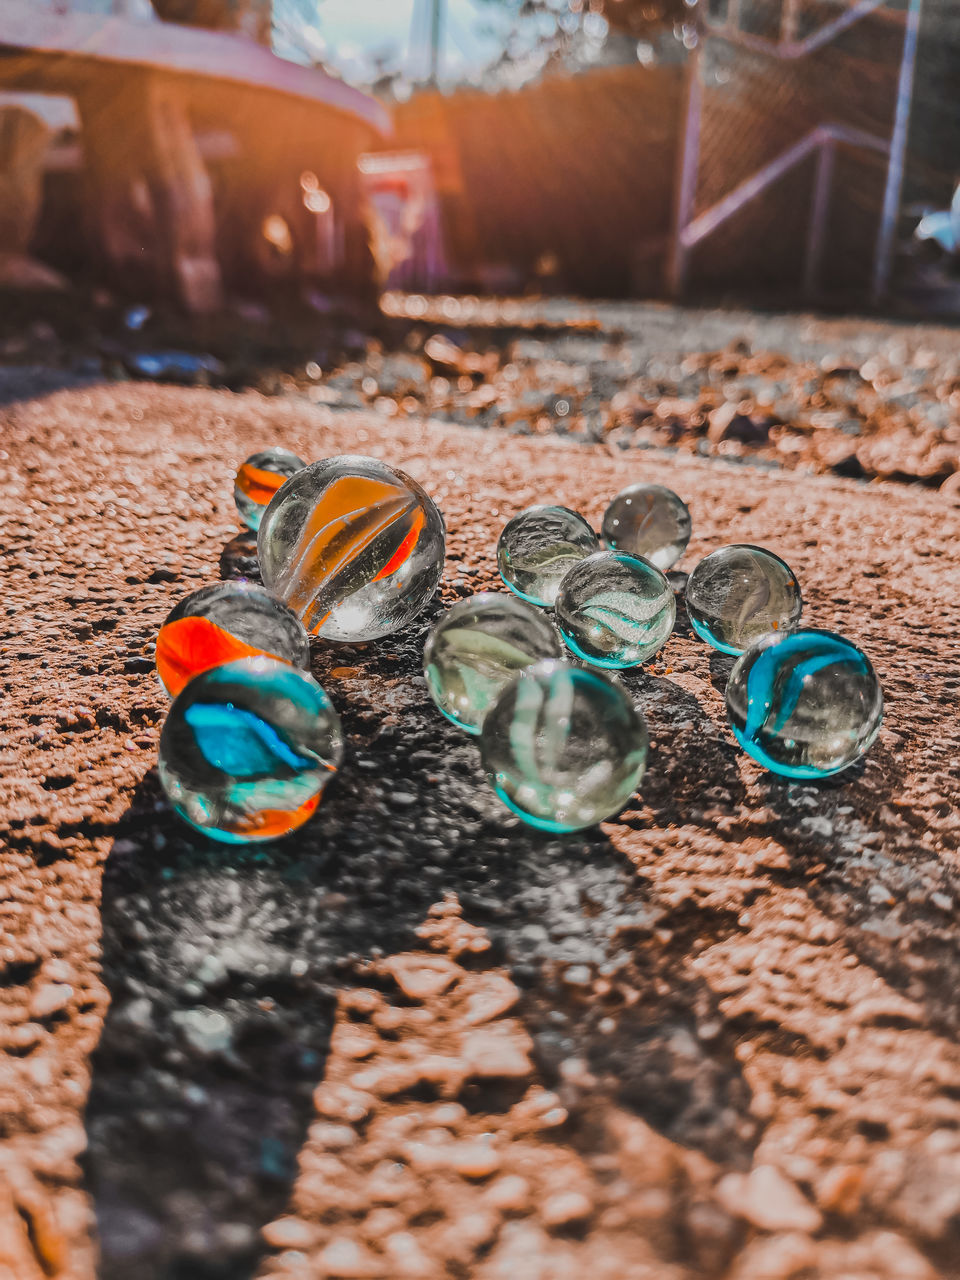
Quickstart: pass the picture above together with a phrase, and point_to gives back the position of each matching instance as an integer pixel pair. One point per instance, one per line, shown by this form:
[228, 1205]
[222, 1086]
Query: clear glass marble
[477, 648]
[258, 480]
[615, 610]
[248, 748]
[223, 622]
[538, 546]
[564, 747]
[804, 704]
[353, 546]
[739, 593]
[648, 520]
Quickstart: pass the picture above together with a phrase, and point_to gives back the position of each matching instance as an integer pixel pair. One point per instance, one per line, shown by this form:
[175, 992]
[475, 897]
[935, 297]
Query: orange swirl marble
[259, 485]
[188, 646]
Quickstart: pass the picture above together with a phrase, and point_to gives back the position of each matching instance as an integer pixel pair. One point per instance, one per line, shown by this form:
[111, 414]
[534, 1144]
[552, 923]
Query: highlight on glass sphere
[738, 593]
[615, 610]
[258, 480]
[247, 750]
[353, 546]
[221, 623]
[564, 747]
[805, 704]
[538, 546]
[648, 520]
[476, 649]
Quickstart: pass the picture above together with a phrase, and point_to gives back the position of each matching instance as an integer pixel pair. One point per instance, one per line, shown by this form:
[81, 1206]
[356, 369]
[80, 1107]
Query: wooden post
[151, 200]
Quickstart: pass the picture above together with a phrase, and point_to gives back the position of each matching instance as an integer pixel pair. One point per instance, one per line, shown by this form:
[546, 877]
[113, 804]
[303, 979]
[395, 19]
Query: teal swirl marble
[538, 546]
[354, 547]
[248, 748]
[477, 648]
[805, 704]
[615, 610]
[739, 593]
[564, 747]
[648, 520]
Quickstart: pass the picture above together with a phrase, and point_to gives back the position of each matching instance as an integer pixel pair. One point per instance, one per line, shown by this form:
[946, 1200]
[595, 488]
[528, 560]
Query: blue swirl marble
[805, 704]
[247, 749]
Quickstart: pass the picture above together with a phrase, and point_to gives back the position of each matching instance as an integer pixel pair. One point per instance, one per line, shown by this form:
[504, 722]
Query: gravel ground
[715, 1038]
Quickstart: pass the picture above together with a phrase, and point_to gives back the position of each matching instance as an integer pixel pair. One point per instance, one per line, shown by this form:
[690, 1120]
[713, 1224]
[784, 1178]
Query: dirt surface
[715, 1038]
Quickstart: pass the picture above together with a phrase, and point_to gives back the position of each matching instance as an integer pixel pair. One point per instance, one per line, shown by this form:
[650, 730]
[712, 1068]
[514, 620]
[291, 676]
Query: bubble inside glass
[224, 622]
[247, 750]
[538, 546]
[354, 547]
[805, 704]
[739, 593]
[563, 747]
[615, 610]
[477, 648]
[259, 479]
[648, 520]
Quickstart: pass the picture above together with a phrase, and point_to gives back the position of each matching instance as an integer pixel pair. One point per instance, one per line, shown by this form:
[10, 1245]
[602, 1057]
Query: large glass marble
[615, 610]
[739, 593]
[564, 747]
[248, 748]
[805, 704]
[648, 520]
[259, 479]
[354, 547]
[221, 623]
[538, 546]
[477, 648]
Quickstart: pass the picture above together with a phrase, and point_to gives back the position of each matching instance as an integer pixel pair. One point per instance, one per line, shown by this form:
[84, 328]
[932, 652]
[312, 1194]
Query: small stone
[420, 977]
[354, 1042]
[50, 999]
[840, 1190]
[566, 1208]
[509, 1194]
[338, 1102]
[493, 997]
[406, 1257]
[768, 1200]
[289, 1233]
[207, 1031]
[500, 1052]
[345, 1259]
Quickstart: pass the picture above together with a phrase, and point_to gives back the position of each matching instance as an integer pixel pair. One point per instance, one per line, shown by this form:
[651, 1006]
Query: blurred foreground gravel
[715, 1038]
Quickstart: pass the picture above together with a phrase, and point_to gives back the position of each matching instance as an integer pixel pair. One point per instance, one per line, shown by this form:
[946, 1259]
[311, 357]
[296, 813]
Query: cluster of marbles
[350, 549]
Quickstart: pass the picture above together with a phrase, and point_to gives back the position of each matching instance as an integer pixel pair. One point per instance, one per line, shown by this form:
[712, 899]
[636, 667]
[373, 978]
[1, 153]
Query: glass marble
[259, 479]
[804, 704]
[615, 610]
[354, 547]
[739, 593]
[538, 546]
[477, 648]
[248, 748]
[564, 747]
[221, 623]
[648, 520]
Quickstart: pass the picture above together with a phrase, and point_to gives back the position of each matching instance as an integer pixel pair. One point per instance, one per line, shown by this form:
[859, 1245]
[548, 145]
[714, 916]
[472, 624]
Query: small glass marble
[564, 747]
[224, 622]
[615, 610]
[805, 704]
[648, 520]
[739, 593]
[477, 648]
[353, 546]
[259, 479]
[248, 748]
[538, 546]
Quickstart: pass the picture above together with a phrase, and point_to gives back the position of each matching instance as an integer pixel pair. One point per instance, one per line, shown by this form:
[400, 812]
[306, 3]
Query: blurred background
[223, 156]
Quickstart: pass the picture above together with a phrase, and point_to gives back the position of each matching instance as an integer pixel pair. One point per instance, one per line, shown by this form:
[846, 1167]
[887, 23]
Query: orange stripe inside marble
[275, 822]
[405, 549]
[191, 645]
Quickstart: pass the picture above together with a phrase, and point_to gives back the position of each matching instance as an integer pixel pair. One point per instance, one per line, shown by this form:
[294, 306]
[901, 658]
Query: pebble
[493, 998]
[50, 999]
[289, 1233]
[207, 1031]
[565, 1208]
[509, 1194]
[768, 1200]
[421, 977]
